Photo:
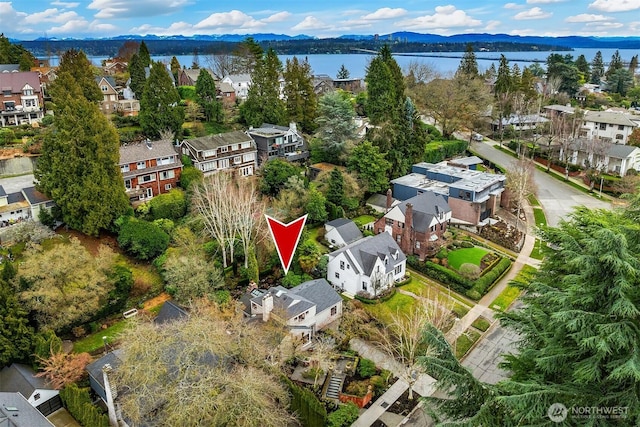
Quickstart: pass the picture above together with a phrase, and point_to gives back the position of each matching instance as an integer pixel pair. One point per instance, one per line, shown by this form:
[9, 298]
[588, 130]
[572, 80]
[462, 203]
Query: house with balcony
[607, 126]
[22, 98]
[279, 142]
[417, 224]
[149, 168]
[472, 195]
[367, 266]
[231, 151]
[22, 205]
[305, 309]
[240, 84]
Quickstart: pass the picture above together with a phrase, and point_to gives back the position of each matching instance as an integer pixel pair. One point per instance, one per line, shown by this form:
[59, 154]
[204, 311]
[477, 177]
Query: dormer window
[386, 260]
[27, 92]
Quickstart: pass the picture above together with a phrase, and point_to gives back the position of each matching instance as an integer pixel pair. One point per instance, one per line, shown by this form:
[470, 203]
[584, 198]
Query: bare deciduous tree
[520, 183]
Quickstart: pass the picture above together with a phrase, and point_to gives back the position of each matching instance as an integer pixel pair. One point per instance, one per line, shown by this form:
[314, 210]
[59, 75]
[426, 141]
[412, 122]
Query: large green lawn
[364, 219]
[466, 255]
[398, 303]
[94, 341]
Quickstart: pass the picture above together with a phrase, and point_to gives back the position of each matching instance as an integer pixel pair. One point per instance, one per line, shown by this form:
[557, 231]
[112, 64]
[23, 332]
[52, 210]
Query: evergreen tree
[263, 103]
[206, 96]
[246, 55]
[615, 64]
[26, 61]
[385, 88]
[137, 75]
[578, 328]
[316, 205]
[563, 67]
[144, 55]
[620, 81]
[11, 53]
[527, 84]
[516, 77]
[468, 65]
[633, 64]
[175, 69]
[195, 64]
[335, 192]
[78, 167]
[503, 83]
[301, 100]
[75, 64]
[583, 66]
[370, 165]
[335, 125]
[159, 108]
[597, 68]
[343, 73]
[491, 72]
[16, 340]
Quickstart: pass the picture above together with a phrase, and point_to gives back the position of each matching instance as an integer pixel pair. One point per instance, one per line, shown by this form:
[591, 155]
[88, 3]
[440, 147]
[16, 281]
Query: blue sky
[29, 19]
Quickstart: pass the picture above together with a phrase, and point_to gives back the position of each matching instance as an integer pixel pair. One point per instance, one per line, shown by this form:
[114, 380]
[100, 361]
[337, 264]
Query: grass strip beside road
[465, 341]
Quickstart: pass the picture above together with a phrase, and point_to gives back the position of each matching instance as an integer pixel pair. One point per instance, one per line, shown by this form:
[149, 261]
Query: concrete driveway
[557, 198]
[16, 183]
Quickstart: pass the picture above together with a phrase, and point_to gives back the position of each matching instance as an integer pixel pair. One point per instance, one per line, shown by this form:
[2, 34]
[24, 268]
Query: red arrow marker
[286, 238]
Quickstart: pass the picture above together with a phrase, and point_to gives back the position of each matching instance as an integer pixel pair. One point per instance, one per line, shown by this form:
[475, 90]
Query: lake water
[444, 63]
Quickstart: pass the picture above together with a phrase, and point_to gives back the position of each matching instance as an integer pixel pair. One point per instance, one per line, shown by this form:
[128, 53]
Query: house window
[127, 184]
[337, 275]
[148, 178]
[104, 88]
[341, 265]
[141, 165]
[149, 192]
[165, 160]
[417, 245]
[401, 224]
[398, 269]
[619, 136]
[334, 310]
[29, 102]
[6, 92]
[364, 285]
[167, 187]
[388, 221]
[399, 238]
[36, 396]
[602, 126]
[246, 144]
[167, 174]
[27, 92]
[246, 171]
[235, 147]
[124, 168]
[620, 127]
[248, 157]
[237, 160]
[224, 149]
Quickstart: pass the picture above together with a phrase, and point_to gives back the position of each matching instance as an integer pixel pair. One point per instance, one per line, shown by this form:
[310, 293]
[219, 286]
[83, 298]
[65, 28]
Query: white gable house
[368, 266]
[341, 232]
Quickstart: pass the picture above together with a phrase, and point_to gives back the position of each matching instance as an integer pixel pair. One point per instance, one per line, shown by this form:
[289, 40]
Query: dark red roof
[17, 80]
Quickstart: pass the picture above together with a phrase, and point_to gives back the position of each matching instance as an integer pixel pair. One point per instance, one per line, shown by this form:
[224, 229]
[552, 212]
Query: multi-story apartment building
[22, 98]
[225, 151]
[149, 168]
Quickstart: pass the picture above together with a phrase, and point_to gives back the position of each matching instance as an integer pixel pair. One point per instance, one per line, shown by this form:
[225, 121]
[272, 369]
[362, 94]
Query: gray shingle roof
[2, 192]
[366, 251]
[608, 117]
[16, 411]
[20, 378]
[210, 142]
[347, 229]
[34, 196]
[286, 301]
[620, 151]
[318, 291]
[141, 151]
[113, 358]
[426, 206]
[169, 312]
[109, 79]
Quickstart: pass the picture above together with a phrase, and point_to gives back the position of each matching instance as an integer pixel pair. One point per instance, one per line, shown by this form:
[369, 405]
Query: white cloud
[533, 13]
[445, 17]
[385, 13]
[234, 18]
[135, 8]
[587, 17]
[604, 26]
[64, 4]
[51, 15]
[277, 17]
[81, 25]
[513, 6]
[311, 23]
[492, 25]
[615, 5]
[544, 1]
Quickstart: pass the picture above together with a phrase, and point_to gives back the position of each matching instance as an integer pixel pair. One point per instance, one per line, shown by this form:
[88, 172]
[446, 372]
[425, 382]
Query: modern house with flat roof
[473, 196]
[279, 142]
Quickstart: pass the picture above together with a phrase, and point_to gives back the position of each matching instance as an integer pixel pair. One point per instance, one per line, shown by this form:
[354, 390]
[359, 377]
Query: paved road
[557, 199]
[16, 183]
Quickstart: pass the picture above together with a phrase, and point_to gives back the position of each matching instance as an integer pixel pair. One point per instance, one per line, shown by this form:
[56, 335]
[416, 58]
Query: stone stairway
[335, 385]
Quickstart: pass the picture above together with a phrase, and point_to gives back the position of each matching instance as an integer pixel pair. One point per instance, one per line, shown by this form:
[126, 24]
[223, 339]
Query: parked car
[477, 137]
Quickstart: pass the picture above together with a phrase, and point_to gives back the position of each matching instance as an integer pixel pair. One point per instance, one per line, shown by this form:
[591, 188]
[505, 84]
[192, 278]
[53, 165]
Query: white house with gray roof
[19, 378]
[341, 232]
[15, 411]
[240, 83]
[368, 266]
[307, 308]
[608, 157]
[608, 126]
[224, 151]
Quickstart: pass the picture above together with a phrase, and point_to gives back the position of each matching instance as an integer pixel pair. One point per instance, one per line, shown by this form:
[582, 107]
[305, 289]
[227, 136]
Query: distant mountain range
[632, 42]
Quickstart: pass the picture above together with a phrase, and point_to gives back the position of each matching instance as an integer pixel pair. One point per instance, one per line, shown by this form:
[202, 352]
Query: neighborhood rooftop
[146, 151]
[20, 378]
[367, 250]
[210, 142]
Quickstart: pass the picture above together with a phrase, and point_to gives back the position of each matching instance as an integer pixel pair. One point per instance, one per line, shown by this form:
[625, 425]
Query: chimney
[267, 306]
[110, 394]
[148, 143]
[406, 233]
[389, 199]
[293, 127]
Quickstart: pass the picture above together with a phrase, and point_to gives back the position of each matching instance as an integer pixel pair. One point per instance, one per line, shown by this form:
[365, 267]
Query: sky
[30, 19]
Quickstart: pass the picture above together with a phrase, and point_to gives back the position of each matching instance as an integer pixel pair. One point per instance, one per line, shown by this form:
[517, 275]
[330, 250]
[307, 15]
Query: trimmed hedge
[441, 274]
[437, 151]
[383, 298]
[306, 405]
[482, 284]
[78, 402]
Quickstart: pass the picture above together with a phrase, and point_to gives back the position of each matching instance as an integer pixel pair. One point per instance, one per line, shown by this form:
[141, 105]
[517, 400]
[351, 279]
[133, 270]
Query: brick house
[225, 151]
[417, 224]
[22, 98]
[149, 168]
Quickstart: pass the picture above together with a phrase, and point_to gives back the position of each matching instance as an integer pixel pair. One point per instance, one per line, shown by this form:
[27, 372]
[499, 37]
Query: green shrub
[482, 284]
[78, 402]
[466, 244]
[442, 274]
[366, 368]
[358, 388]
[142, 239]
[306, 405]
[47, 120]
[7, 136]
[469, 271]
[171, 205]
[344, 416]
[187, 92]
[190, 175]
